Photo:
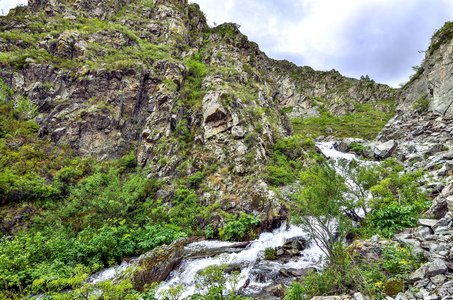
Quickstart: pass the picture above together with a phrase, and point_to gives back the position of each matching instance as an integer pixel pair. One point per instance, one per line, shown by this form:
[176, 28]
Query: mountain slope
[124, 114]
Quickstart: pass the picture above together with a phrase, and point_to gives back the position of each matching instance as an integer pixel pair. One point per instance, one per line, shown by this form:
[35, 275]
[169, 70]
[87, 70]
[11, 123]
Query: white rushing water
[258, 272]
[109, 273]
[328, 149]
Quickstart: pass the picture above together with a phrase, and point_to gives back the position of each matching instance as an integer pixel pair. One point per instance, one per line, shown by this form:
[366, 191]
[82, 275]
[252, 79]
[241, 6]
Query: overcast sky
[379, 38]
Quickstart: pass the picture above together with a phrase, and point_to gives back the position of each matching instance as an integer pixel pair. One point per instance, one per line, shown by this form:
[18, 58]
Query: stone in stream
[277, 290]
[155, 265]
[297, 243]
[300, 272]
[284, 272]
[386, 149]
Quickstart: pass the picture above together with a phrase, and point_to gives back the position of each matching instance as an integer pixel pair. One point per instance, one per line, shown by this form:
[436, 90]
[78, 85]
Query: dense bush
[30, 256]
[287, 160]
[393, 218]
[235, 229]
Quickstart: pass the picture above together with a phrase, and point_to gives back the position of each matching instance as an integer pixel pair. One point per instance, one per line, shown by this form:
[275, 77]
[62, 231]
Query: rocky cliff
[152, 77]
[425, 105]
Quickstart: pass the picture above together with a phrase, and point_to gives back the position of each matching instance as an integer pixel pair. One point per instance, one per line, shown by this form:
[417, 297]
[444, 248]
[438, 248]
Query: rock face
[304, 90]
[151, 77]
[155, 265]
[425, 103]
[433, 80]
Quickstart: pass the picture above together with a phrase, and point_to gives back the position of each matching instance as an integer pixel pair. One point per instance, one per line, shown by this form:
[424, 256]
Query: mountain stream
[256, 273]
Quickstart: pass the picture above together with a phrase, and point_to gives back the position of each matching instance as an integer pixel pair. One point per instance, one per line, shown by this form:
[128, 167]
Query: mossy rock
[394, 287]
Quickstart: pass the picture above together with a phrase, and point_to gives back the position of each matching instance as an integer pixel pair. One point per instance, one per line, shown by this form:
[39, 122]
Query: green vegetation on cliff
[365, 121]
[124, 127]
[81, 211]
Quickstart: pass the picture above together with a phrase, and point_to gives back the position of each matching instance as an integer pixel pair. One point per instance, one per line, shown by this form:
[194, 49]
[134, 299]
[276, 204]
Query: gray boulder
[446, 289]
[386, 149]
[155, 265]
[436, 267]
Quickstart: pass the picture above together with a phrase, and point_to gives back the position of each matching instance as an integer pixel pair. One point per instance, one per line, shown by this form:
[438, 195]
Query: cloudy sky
[379, 38]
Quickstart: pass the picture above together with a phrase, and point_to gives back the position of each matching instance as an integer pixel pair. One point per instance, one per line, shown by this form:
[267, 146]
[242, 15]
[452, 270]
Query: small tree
[360, 180]
[322, 207]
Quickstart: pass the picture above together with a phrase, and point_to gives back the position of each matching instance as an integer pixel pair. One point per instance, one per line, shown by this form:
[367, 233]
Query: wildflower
[379, 284]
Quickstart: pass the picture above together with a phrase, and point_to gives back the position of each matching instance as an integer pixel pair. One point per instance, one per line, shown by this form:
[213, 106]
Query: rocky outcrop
[425, 104]
[433, 79]
[305, 90]
[130, 76]
[433, 280]
[425, 127]
[155, 265]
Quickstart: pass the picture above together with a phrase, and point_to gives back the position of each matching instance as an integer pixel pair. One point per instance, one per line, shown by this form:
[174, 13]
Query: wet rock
[277, 290]
[345, 144]
[297, 243]
[211, 252]
[284, 272]
[301, 272]
[155, 265]
[280, 252]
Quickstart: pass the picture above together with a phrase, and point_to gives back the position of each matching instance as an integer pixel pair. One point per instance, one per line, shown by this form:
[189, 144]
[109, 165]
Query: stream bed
[256, 272]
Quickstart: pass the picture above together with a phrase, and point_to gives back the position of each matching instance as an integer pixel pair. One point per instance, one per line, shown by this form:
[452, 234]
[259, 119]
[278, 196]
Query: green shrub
[214, 280]
[287, 160]
[30, 256]
[356, 147]
[195, 180]
[296, 291]
[281, 175]
[270, 254]
[400, 261]
[235, 229]
[391, 219]
[421, 104]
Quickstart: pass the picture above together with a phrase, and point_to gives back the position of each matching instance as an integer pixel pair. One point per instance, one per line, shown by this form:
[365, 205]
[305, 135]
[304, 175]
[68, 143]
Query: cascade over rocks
[155, 265]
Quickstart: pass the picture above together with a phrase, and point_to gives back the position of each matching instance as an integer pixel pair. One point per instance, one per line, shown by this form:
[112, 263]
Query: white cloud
[375, 37]
[6, 5]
